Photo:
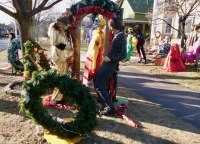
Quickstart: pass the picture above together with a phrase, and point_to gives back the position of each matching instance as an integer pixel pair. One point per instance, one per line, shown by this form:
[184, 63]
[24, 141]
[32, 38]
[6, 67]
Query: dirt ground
[158, 125]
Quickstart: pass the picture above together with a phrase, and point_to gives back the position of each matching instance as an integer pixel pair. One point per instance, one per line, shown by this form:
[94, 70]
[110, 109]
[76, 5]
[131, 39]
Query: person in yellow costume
[95, 51]
[131, 44]
[61, 49]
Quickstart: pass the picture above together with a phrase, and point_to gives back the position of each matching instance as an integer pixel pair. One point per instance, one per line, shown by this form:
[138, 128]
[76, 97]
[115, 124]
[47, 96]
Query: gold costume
[61, 58]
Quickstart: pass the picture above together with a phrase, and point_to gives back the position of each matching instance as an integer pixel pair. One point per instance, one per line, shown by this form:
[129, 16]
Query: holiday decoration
[74, 92]
[35, 59]
[13, 58]
[106, 8]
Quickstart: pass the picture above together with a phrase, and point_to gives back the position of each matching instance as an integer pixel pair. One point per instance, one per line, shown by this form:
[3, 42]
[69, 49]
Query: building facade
[134, 13]
[167, 11]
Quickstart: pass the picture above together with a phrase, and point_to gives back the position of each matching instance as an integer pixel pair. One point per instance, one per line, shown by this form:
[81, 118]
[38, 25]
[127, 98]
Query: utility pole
[15, 23]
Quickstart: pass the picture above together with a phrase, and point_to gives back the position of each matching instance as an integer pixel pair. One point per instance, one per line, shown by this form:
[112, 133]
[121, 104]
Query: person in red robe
[174, 62]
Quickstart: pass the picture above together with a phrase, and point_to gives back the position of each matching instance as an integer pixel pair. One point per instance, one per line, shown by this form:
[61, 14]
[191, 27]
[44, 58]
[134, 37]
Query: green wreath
[104, 4]
[74, 92]
[13, 57]
[39, 60]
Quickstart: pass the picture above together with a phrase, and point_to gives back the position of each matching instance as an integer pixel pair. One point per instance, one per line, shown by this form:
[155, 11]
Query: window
[159, 2]
[188, 24]
[157, 25]
[168, 26]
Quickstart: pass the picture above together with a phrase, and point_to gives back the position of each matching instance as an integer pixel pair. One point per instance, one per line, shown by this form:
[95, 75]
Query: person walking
[141, 41]
[110, 61]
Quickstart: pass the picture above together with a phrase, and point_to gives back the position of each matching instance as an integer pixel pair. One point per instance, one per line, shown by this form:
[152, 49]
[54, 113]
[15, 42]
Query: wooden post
[77, 36]
[106, 41]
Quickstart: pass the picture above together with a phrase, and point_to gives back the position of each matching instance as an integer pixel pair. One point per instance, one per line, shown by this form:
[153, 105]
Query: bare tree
[43, 19]
[119, 3]
[181, 8]
[71, 2]
[23, 11]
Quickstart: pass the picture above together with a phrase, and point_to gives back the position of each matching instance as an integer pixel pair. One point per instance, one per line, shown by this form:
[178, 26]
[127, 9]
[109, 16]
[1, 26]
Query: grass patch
[189, 79]
[84, 47]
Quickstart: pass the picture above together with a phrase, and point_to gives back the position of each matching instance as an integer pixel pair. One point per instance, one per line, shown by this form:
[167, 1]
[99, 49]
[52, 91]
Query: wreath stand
[54, 139]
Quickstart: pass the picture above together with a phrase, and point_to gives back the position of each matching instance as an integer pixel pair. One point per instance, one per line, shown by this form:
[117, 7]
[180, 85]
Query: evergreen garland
[74, 92]
[13, 57]
[34, 50]
[104, 4]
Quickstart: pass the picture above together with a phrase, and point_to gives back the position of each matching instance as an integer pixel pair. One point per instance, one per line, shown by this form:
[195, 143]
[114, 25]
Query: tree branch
[10, 13]
[51, 5]
[41, 8]
[168, 24]
[36, 10]
[34, 5]
[16, 6]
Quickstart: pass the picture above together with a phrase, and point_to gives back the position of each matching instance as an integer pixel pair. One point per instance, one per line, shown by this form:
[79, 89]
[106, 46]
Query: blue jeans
[102, 76]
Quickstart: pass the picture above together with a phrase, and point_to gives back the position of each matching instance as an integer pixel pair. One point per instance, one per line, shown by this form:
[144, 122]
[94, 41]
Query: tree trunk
[182, 32]
[183, 38]
[25, 32]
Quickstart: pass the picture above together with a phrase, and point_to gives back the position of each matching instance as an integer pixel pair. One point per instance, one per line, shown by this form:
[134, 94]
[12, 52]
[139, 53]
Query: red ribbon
[33, 61]
[47, 102]
[120, 111]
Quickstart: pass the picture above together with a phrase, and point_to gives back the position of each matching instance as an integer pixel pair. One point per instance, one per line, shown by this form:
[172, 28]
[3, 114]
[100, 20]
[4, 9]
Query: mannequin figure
[13, 57]
[131, 45]
[192, 45]
[95, 49]
[61, 49]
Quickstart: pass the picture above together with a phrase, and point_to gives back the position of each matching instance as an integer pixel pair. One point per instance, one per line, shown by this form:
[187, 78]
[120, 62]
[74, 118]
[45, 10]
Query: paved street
[179, 100]
[3, 44]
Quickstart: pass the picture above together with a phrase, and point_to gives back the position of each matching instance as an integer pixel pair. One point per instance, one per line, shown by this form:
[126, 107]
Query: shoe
[108, 111]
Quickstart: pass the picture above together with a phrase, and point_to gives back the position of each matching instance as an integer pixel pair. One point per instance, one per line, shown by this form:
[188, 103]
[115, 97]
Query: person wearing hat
[61, 49]
[95, 50]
